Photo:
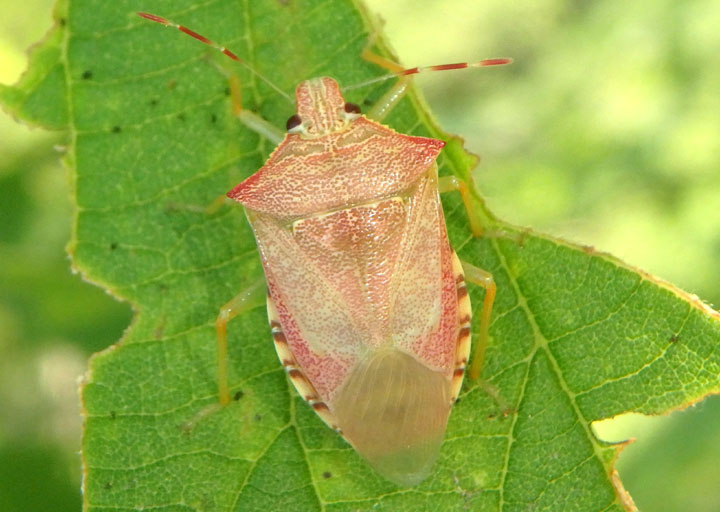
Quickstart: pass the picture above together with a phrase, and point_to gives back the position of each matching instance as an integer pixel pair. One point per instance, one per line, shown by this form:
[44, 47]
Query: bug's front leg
[390, 99]
[250, 298]
[250, 119]
[387, 102]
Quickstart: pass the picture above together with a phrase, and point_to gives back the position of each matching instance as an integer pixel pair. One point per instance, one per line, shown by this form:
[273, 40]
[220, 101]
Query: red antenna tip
[495, 62]
[152, 17]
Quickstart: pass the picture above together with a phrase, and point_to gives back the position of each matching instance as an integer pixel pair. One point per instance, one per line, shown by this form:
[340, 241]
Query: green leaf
[577, 336]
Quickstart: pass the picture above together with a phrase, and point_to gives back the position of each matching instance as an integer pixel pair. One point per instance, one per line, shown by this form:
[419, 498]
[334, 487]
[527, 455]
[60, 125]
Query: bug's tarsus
[228, 53]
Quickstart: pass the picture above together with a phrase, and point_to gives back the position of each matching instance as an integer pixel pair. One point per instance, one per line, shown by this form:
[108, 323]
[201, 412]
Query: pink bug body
[366, 298]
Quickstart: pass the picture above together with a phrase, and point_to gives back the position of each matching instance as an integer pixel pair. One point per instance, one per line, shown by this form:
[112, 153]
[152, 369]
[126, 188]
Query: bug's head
[321, 109]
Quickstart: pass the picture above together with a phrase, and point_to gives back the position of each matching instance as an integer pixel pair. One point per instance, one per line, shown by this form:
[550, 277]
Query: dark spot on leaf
[258, 417]
[113, 246]
[327, 475]
[108, 486]
[674, 338]
[367, 102]
[87, 75]
[213, 118]
[227, 91]
[237, 396]
[153, 102]
[181, 117]
[457, 400]
[62, 22]
[112, 415]
[116, 129]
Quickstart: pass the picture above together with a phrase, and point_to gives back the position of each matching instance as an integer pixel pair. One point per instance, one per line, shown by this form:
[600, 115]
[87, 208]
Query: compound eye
[294, 124]
[352, 108]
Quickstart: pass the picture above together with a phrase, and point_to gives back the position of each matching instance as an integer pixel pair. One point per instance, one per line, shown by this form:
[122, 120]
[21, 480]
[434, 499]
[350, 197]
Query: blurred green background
[605, 131]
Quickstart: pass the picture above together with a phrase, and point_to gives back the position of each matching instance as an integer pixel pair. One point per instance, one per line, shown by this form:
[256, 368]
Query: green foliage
[576, 337]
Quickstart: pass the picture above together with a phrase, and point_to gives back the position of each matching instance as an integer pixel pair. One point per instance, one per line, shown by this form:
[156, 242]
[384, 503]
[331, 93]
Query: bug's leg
[253, 122]
[387, 102]
[250, 119]
[485, 279]
[250, 298]
[451, 183]
[395, 94]
[383, 62]
[482, 278]
[247, 117]
[391, 98]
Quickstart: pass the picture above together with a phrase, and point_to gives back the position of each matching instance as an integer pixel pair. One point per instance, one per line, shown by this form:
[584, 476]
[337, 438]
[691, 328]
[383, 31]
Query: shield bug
[365, 296]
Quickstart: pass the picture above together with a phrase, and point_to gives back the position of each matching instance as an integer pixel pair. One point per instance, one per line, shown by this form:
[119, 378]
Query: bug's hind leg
[250, 298]
[484, 279]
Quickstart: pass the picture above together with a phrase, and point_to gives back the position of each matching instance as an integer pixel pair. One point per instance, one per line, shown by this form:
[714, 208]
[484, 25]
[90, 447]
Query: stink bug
[366, 299]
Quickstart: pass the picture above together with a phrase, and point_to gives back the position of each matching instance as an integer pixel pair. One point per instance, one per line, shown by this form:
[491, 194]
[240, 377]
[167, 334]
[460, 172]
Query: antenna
[439, 67]
[213, 44]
